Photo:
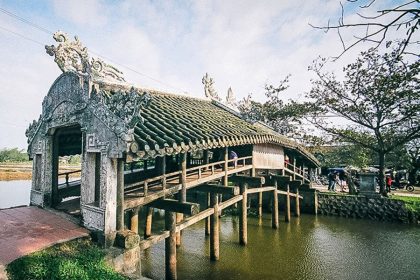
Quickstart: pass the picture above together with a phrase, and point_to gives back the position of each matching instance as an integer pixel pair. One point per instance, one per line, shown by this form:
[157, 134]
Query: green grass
[412, 203]
[79, 260]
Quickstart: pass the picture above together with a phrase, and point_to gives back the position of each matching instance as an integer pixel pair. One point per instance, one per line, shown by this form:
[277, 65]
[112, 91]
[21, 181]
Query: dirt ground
[23, 171]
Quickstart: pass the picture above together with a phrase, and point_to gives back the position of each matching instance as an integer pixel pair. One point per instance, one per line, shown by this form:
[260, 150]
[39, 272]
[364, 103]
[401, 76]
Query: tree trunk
[381, 175]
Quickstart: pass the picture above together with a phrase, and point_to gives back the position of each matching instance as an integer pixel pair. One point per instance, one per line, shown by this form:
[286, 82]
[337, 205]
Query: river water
[309, 247]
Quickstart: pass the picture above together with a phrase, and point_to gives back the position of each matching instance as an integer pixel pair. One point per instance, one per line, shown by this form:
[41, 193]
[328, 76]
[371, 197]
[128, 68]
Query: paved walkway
[24, 230]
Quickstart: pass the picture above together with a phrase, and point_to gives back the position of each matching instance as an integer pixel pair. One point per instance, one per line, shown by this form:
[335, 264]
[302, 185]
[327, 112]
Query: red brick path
[24, 230]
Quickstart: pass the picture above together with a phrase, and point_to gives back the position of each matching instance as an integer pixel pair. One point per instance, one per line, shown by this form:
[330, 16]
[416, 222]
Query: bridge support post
[243, 216]
[225, 178]
[120, 194]
[148, 226]
[170, 246]
[260, 203]
[294, 168]
[297, 205]
[275, 210]
[134, 220]
[214, 229]
[287, 206]
[207, 220]
[183, 194]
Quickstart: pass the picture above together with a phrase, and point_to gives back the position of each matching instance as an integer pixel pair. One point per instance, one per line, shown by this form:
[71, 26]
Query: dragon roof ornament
[209, 90]
[230, 98]
[72, 56]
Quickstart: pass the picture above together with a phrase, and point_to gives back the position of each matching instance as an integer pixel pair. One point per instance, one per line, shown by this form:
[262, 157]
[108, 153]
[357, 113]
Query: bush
[79, 260]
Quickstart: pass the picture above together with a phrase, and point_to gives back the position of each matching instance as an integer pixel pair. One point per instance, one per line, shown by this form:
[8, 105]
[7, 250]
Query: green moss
[412, 203]
[79, 260]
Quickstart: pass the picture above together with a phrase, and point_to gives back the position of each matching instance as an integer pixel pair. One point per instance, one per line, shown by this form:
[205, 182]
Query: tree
[376, 25]
[13, 155]
[285, 118]
[379, 98]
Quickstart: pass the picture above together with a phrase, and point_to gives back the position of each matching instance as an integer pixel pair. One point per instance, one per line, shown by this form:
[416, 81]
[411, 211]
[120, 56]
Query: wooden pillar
[260, 202]
[120, 194]
[214, 228]
[207, 220]
[148, 226]
[294, 168]
[287, 206]
[183, 194]
[297, 209]
[170, 246]
[145, 165]
[243, 217]
[134, 220]
[164, 172]
[225, 178]
[275, 209]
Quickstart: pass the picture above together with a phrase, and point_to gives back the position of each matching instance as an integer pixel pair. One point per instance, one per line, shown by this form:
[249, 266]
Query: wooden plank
[210, 188]
[175, 206]
[251, 181]
[194, 219]
[230, 202]
[260, 190]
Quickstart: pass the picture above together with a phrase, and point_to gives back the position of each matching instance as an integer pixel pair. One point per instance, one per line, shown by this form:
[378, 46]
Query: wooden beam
[120, 194]
[170, 246]
[175, 206]
[218, 189]
[260, 190]
[295, 184]
[281, 180]
[250, 181]
[230, 202]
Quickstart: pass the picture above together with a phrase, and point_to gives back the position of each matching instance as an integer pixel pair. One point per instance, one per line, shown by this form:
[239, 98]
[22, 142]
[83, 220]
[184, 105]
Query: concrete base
[126, 261]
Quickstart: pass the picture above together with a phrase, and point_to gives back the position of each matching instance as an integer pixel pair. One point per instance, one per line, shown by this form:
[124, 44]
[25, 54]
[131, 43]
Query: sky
[170, 45]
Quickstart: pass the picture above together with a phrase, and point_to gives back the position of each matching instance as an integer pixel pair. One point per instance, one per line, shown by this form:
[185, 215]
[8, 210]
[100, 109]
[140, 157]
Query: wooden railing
[198, 171]
[297, 171]
[67, 174]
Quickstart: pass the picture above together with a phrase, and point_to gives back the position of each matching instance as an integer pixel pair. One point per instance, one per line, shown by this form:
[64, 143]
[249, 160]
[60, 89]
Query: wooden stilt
[260, 202]
[134, 220]
[120, 194]
[243, 215]
[297, 204]
[207, 221]
[214, 228]
[287, 206]
[148, 227]
[182, 194]
[275, 210]
[225, 178]
[170, 246]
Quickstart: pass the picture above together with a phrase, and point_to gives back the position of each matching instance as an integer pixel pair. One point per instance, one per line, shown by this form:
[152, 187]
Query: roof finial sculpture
[209, 90]
[230, 98]
[72, 56]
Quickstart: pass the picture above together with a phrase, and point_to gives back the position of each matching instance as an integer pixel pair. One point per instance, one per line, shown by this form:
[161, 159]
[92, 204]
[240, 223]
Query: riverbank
[78, 259]
[23, 171]
[403, 209]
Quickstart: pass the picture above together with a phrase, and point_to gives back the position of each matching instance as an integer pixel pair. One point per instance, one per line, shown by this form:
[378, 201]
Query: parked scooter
[402, 185]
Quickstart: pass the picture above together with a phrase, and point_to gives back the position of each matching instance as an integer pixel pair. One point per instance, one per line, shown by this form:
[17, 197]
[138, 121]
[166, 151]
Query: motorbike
[402, 185]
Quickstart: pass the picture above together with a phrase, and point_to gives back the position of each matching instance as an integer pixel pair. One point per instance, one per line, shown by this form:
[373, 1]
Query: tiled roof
[176, 123]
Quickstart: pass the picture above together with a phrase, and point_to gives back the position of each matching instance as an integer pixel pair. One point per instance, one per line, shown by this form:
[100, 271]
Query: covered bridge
[140, 145]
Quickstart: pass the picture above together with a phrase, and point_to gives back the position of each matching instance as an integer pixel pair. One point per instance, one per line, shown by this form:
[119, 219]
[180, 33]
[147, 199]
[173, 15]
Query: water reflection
[307, 248]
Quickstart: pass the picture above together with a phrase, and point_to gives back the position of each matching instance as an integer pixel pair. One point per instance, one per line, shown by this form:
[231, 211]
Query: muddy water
[309, 247]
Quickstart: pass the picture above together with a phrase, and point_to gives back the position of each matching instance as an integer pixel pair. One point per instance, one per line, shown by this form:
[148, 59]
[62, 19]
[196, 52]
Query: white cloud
[82, 12]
